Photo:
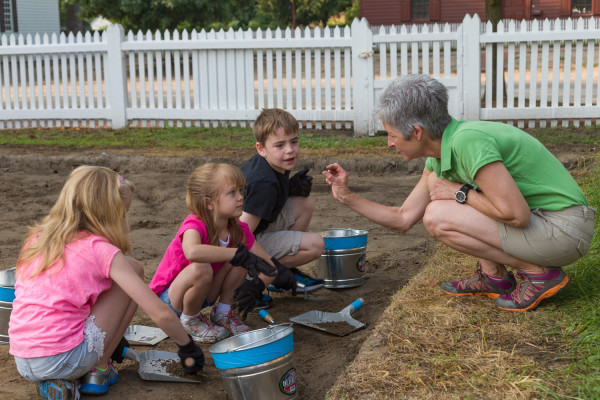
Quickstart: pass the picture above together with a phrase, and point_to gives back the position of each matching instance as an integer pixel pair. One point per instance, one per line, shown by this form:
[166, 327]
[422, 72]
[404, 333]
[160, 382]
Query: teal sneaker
[97, 382]
[58, 389]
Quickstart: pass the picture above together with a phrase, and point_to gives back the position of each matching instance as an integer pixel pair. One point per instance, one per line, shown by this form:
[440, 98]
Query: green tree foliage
[307, 11]
[159, 14]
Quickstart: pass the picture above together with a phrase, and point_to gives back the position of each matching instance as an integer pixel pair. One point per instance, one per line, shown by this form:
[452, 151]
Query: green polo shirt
[469, 145]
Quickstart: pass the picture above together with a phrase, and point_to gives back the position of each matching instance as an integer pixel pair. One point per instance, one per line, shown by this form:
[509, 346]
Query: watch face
[461, 197]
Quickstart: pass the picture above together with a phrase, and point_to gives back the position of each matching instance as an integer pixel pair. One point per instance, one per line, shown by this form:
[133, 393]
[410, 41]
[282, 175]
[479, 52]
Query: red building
[396, 12]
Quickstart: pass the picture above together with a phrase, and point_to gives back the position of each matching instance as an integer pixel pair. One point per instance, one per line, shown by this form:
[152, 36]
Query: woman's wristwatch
[461, 194]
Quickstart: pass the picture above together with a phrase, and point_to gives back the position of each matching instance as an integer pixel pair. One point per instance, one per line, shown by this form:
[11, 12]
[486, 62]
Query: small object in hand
[189, 362]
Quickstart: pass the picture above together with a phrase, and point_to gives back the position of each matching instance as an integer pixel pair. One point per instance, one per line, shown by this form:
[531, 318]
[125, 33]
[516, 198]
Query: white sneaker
[203, 331]
[228, 321]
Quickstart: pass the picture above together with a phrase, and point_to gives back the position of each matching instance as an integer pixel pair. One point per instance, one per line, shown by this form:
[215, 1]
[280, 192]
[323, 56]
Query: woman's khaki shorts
[552, 238]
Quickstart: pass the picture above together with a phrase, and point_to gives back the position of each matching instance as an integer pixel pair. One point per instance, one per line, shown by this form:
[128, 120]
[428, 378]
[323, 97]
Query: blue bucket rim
[233, 353]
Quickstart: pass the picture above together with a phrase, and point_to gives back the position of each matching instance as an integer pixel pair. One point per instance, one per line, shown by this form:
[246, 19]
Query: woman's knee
[433, 218]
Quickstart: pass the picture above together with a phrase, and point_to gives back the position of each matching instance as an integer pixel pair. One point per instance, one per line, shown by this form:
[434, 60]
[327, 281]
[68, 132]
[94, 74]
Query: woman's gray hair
[412, 100]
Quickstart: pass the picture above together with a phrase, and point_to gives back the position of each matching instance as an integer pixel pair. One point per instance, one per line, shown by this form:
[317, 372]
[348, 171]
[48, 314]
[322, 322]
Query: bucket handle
[261, 339]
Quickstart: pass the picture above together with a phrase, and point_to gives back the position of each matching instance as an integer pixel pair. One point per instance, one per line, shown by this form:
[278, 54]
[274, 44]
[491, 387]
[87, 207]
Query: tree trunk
[72, 21]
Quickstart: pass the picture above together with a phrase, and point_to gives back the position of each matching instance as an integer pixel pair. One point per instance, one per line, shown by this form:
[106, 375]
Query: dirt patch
[31, 183]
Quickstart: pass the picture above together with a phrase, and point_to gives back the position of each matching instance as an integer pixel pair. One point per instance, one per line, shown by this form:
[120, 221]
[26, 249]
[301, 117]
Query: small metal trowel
[340, 323]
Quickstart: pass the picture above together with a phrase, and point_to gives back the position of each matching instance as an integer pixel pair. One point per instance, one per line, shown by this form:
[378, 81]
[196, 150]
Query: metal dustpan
[144, 335]
[340, 323]
[154, 363]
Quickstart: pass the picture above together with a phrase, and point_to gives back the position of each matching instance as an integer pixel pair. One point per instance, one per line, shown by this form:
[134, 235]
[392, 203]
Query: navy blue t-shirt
[266, 191]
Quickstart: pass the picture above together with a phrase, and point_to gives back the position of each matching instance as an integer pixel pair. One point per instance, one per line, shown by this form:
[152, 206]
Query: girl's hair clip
[121, 180]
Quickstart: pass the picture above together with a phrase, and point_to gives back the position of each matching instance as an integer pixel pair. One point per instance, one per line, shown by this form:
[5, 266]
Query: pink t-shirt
[174, 261]
[49, 311]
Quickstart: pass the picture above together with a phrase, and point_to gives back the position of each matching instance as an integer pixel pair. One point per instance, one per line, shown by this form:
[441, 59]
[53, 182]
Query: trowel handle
[357, 304]
[266, 316]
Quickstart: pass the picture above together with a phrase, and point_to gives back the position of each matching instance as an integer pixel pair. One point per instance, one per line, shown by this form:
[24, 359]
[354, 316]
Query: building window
[8, 15]
[581, 7]
[420, 9]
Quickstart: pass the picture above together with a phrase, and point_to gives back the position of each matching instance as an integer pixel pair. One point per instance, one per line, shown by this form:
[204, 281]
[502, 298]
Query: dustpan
[154, 363]
[340, 323]
[144, 335]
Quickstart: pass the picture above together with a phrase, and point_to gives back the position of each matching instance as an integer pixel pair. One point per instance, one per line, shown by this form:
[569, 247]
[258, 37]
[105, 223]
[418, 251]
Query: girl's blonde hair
[89, 201]
[206, 182]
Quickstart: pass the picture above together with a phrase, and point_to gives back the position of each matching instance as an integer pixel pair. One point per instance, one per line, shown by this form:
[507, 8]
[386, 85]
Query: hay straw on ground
[429, 345]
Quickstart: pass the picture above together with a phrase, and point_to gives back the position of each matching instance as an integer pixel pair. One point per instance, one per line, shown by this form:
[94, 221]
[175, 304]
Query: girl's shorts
[69, 365]
[552, 238]
[164, 296]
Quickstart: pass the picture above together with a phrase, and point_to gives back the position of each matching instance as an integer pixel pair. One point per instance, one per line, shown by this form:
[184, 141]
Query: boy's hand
[246, 296]
[191, 357]
[253, 263]
[301, 184]
[285, 278]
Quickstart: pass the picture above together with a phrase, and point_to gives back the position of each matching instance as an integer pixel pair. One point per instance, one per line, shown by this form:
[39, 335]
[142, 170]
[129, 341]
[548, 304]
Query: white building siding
[38, 16]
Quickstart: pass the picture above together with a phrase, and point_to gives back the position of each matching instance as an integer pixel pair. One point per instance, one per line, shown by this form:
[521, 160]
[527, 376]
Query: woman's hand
[337, 178]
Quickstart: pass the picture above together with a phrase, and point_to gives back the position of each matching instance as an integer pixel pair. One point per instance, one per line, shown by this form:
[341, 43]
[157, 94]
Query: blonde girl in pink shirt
[207, 260]
[76, 292]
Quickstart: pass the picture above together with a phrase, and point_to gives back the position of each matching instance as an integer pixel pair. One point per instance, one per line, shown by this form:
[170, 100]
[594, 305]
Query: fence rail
[546, 73]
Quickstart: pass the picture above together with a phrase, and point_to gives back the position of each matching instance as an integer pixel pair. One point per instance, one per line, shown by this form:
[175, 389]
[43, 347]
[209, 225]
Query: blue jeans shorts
[71, 364]
[164, 296]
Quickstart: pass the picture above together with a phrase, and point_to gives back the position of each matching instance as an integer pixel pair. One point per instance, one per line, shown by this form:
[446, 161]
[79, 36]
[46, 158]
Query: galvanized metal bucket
[258, 364]
[343, 268]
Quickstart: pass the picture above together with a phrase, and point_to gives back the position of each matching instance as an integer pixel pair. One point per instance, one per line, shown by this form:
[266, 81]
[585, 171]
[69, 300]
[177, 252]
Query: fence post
[362, 78]
[471, 72]
[115, 77]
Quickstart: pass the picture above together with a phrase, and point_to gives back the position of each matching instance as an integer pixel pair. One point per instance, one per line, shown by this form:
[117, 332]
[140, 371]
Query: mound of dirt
[31, 183]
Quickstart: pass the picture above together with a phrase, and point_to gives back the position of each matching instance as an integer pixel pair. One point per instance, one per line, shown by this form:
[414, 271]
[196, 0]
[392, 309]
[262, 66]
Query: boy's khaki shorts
[277, 240]
[552, 238]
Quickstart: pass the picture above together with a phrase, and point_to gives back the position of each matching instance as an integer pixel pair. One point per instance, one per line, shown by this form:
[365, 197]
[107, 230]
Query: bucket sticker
[287, 383]
[362, 261]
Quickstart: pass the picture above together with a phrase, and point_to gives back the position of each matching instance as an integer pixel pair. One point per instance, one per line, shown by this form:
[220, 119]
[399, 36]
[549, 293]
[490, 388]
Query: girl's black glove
[117, 355]
[191, 357]
[246, 296]
[301, 184]
[285, 278]
[253, 263]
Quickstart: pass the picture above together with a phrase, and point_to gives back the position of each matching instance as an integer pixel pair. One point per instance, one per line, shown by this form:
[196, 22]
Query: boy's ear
[260, 149]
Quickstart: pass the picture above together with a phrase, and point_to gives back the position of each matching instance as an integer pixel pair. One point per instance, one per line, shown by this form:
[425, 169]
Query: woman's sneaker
[229, 321]
[203, 331]
[97, 382]
[532, 289]
[58, 389]
[481, 284]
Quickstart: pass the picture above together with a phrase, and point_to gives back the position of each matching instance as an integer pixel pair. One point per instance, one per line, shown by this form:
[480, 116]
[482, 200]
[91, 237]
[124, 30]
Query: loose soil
[32, 179]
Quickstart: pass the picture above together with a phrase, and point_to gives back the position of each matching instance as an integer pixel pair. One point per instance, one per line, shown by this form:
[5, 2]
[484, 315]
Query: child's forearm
[205, 253]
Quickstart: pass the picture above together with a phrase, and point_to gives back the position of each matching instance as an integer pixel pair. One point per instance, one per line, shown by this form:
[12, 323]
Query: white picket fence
[327, 78]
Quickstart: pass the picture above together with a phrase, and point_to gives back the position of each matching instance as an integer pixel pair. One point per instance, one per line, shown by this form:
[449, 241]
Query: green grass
[172, 138]
[580, 315]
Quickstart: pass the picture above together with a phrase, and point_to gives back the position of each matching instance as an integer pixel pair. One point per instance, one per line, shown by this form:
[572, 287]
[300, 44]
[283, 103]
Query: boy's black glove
[191, 357]
[253, 263]
[285, 278]
[301, 184]
[117, 355]
[246, 296]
